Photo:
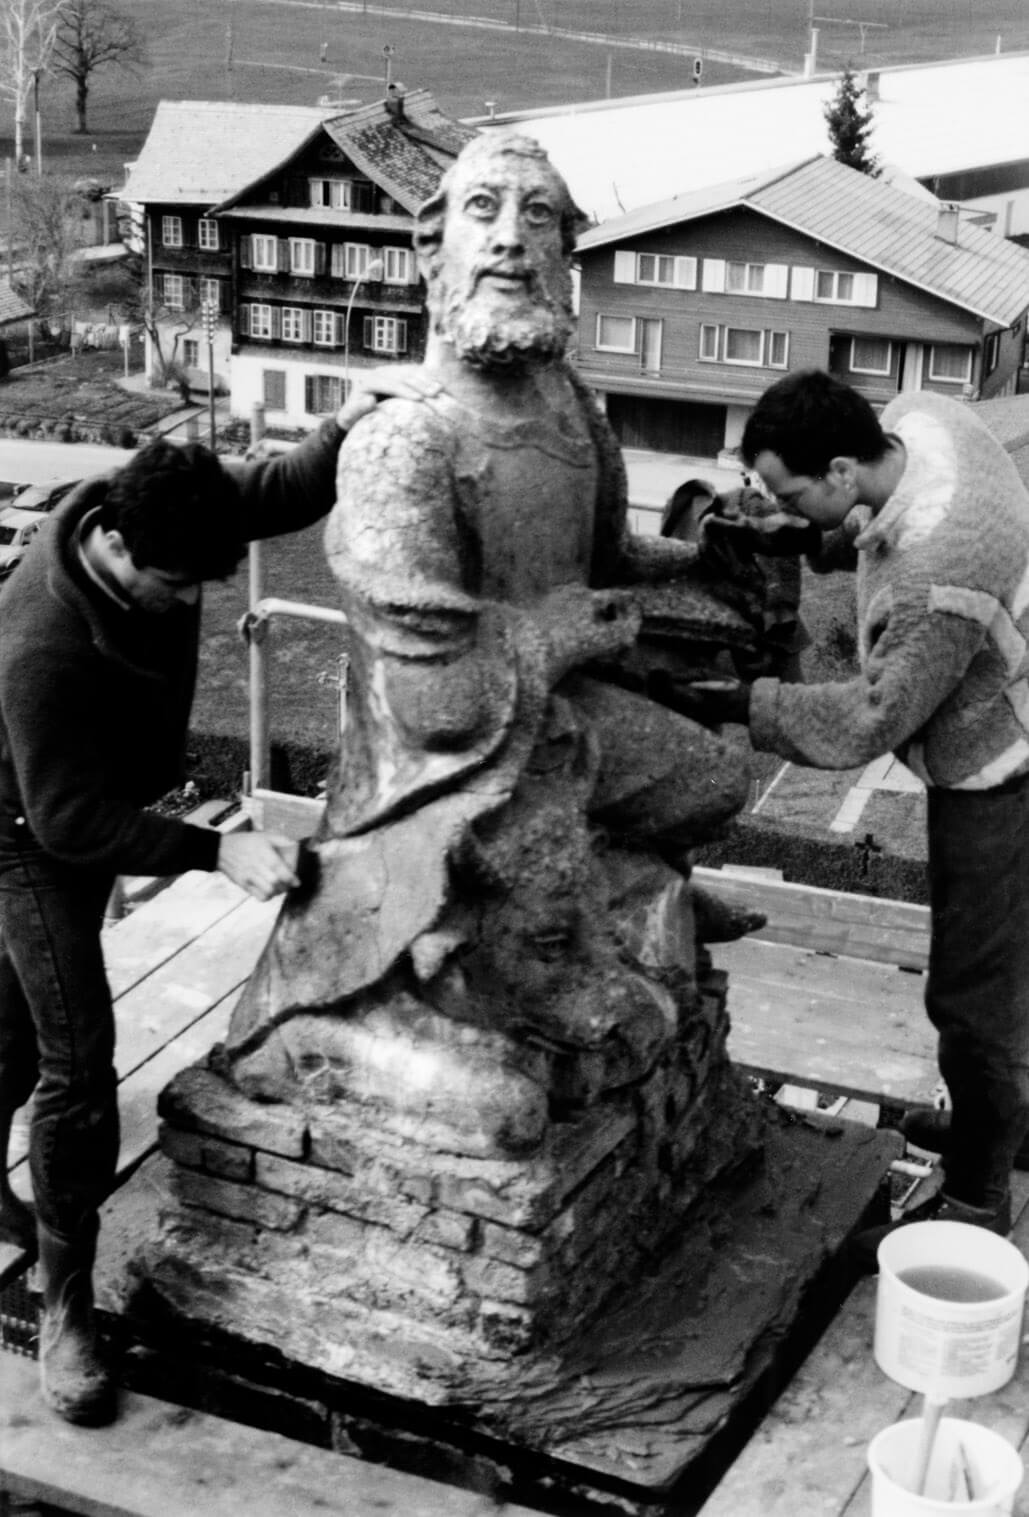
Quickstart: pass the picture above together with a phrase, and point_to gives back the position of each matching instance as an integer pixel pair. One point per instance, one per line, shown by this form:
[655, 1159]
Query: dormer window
[341, 194]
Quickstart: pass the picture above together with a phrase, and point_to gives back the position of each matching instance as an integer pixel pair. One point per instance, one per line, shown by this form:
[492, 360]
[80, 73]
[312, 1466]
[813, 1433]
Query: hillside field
[271, 50]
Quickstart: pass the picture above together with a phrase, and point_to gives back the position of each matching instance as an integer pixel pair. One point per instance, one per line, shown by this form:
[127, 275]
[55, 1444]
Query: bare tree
[27, 30]
[48, 215]
[92, 35]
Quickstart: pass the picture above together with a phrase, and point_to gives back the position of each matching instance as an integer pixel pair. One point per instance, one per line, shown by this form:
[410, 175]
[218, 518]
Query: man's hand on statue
[261, 863]
[710, 703]
[388, 382]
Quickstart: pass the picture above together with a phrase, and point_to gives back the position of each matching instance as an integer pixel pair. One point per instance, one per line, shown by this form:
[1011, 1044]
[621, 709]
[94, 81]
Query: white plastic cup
[944, 1349]
[995, 1468]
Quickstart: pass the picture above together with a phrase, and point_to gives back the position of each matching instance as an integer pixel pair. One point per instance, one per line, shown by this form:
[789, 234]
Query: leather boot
[17, 1221]
[73, 1377]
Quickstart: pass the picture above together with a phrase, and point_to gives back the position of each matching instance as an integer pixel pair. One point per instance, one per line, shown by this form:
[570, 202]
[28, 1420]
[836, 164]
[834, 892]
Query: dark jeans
[977, 994]
[57, 1028]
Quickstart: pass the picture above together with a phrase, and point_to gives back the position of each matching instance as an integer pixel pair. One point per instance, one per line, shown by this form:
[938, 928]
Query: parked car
[17, 529]
[43, 497]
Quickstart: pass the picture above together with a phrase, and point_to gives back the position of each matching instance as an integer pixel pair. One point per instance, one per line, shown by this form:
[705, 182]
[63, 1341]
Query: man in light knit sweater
[931, 509]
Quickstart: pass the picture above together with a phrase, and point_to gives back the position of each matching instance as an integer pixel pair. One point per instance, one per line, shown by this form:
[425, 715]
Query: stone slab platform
[642, 1416]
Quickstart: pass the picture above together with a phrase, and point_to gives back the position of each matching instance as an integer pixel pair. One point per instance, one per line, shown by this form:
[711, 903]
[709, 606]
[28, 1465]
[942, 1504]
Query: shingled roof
[12, 307]
[891, 231]
[404, 143]
[201, 152]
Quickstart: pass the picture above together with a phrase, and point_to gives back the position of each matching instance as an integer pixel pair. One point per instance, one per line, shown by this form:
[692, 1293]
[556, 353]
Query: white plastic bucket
[948, 1349]
[963, 1452]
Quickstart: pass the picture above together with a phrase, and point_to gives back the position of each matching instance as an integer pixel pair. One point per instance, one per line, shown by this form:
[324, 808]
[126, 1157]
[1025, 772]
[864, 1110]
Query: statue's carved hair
[431, 214]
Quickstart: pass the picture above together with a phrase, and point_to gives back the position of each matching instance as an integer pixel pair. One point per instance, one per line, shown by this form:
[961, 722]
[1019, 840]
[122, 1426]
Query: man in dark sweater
[99, 632]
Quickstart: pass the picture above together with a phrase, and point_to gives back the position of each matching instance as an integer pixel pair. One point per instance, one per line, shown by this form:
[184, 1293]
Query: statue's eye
[480, 205]
[539, 213]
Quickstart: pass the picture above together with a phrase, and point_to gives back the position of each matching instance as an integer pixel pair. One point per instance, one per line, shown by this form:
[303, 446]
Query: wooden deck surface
[836, 1023]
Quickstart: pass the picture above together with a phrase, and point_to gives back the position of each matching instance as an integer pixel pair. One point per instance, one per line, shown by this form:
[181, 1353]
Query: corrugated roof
[931, 119]
[12, 307]
[891, 231]
[201, 152]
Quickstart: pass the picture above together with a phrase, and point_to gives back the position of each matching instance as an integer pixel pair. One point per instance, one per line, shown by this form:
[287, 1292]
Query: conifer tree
[850, 122]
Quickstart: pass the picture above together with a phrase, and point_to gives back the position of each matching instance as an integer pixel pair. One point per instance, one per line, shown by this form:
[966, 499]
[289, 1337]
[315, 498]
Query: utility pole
[209, 333]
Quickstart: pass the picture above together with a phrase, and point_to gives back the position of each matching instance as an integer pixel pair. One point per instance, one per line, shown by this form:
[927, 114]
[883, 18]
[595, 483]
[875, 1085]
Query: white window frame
[749, 278]
[207, 234]
[264, 253]
[356, 258]
[302, 256]
[776, 339]
[856, 368]
[613, 347]
[744, 363]
[191, 352]
[397, 265]
[261, 321]
[864, 288]
[292, 329]
[709, 338]
[329, 381]
[171, 232]
[323, 329]
[991, 353]
[388, 334]
[681, 270]
[173, 291]
[210, 293]
[950, 379]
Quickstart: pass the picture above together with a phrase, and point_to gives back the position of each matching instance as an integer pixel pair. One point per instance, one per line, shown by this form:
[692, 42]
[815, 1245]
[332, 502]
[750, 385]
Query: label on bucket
[960, 1348]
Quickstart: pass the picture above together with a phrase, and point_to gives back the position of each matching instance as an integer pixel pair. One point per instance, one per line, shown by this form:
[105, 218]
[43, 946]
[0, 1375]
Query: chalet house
[690, 308]
[292, 227]
[325, 279]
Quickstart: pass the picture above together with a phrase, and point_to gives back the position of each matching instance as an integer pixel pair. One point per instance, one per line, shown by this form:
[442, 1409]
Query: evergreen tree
[850, 122]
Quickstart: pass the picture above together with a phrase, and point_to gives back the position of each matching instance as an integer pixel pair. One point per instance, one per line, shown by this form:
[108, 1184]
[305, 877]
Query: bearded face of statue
[500, 287]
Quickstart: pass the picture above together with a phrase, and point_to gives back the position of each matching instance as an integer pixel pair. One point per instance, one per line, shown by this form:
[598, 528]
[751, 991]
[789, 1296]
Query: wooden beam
[158, 1460]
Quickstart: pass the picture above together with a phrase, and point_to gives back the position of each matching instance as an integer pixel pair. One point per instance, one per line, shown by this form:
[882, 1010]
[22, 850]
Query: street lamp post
[374, 268]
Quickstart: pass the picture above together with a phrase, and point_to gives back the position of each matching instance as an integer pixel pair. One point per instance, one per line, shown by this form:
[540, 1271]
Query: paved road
[38, 463]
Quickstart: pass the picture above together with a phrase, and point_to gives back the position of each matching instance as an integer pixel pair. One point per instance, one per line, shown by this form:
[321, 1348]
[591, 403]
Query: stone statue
[495, 922]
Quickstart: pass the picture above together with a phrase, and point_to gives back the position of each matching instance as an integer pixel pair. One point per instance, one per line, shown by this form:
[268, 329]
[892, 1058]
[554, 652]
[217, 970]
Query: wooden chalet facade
[689, 309]
[307, 262]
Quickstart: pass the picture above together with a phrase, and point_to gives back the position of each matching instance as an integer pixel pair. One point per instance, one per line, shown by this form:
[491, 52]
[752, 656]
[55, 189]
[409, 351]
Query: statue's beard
[496, 331]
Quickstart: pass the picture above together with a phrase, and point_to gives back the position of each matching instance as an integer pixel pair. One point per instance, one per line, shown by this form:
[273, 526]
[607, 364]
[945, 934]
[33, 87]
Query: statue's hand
[390, 381]
[582, 625]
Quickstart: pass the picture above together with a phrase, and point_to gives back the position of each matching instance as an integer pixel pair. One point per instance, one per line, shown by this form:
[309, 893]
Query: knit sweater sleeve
[69, 802]
[288, 491]
[915, 659]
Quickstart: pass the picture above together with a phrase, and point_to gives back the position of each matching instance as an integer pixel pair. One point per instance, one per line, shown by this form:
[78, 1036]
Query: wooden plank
[295, 815]
[843, 1025]
[828, 921]
[138, 944]
[809, 1453]
[160, 1460]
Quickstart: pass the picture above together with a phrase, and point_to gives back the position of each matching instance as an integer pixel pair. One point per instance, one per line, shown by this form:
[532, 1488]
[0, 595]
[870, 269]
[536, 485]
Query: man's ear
[115, 543]
[842, 471]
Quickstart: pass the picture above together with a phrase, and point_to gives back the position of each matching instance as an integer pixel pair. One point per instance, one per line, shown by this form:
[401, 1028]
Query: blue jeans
[57, 1028]
[977, 994]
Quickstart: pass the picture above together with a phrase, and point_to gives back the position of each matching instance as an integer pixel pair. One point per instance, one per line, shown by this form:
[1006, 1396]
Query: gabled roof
[12, 307]
[404, 144]
[887, 229]
[201, 152]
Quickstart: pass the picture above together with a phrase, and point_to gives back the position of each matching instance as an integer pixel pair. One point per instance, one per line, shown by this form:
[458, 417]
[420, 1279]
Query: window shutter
[339, 328]
[802, 283]
[338, 262]
[306, 326]
[283, 243]
[191, 292]
[625, 267]
[714, 275]
[685, 274]
[246, 252]
[309, 395]
[777, 280]
[319, 258]
[401, 336]
[369, 331]
[276, 315]
[866, 289]
[244, 321]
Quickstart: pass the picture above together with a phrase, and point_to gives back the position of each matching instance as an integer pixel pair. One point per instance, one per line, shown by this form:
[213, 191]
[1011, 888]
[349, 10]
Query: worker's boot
[74, 1380]
[17, 1221]
[929, 1129]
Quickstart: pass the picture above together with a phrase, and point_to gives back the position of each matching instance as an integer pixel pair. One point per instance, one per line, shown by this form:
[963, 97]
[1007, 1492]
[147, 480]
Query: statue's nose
[508, 232]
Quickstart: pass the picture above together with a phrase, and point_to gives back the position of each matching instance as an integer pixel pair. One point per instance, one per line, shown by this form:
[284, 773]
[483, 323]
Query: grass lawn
[81, 392]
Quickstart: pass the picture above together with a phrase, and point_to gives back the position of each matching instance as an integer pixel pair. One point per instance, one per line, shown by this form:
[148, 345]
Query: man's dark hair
[178, 510]
[808, 419]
